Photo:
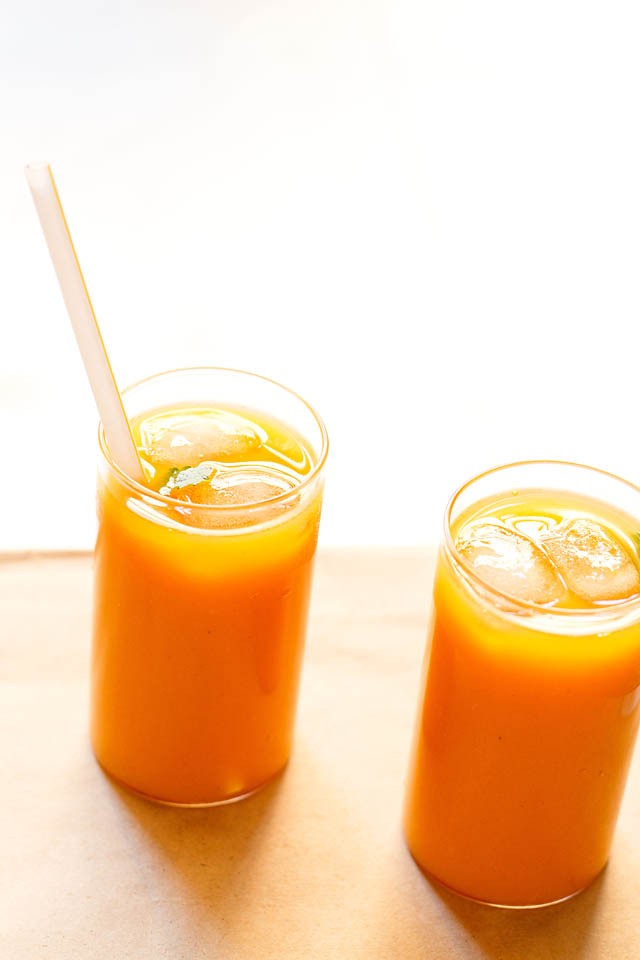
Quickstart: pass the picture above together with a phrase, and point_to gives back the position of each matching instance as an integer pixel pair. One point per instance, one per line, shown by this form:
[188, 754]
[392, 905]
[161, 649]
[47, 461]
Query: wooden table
[312, 867]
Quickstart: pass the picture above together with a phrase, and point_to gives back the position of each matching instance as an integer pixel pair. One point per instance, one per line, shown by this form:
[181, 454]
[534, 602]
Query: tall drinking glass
[202, 583]
[530, 700]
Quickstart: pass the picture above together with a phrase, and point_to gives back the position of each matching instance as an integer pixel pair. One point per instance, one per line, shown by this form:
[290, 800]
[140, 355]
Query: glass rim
[611, 610]
[141, 490]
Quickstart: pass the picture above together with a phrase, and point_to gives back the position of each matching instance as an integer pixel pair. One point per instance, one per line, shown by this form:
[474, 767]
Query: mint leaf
[188, 477]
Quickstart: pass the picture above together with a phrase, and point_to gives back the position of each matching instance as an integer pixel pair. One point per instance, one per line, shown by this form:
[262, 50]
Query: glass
[529, 710]
[200, 611]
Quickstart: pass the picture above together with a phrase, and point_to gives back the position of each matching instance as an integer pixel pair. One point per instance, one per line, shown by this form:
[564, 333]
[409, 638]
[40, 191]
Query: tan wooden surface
[312, 867]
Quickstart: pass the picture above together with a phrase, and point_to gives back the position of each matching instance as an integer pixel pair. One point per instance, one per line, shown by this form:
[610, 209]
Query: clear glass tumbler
[201, 610]
[530, 697]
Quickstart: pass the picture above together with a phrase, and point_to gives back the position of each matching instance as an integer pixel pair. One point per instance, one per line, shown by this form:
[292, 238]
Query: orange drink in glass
[202, 584]
[531, 694]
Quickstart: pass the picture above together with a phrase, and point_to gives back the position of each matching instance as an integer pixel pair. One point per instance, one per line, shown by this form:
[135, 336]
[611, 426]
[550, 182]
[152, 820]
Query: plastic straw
[83, 319]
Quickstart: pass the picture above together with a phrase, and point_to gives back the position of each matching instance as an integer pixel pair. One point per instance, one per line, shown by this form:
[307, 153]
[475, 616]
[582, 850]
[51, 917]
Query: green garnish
[188, 477]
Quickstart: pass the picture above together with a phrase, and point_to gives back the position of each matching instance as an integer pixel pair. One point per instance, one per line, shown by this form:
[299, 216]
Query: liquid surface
[542, 548]
[218, 456]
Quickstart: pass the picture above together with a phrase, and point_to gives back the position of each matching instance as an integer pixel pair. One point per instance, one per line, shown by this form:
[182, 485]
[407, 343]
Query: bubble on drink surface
[238, 485]
[593, 563]
[186, 438]
[509, 562]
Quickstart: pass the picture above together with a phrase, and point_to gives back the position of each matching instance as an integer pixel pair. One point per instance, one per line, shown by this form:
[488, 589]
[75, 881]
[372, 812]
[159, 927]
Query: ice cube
[509, 562]
[593, 563]
[232, 486]
[187, 438]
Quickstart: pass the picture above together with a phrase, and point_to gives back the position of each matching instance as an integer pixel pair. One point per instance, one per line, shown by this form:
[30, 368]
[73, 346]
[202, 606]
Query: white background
[425, 217]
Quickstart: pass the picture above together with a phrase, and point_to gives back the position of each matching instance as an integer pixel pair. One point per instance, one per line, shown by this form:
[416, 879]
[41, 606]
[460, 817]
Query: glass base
[187, 805]
[436, 881]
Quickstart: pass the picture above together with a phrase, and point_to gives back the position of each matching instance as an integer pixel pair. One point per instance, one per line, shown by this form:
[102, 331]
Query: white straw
[83, 319]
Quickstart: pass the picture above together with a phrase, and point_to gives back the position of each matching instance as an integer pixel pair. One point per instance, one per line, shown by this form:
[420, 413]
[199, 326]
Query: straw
[83, 319]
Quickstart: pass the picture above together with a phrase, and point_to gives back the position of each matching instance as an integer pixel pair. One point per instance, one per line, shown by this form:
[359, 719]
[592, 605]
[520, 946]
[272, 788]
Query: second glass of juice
[202, 583]
[531, 693]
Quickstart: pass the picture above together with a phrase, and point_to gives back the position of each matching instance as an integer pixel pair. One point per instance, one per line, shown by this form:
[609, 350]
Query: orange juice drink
[531, 693]
[202, 582]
